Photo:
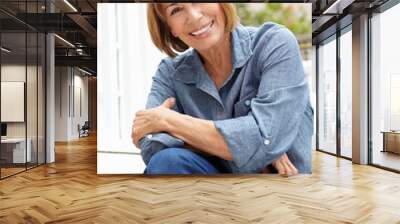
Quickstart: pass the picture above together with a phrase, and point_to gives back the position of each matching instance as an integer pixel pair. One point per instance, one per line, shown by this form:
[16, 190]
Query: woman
[235, 101]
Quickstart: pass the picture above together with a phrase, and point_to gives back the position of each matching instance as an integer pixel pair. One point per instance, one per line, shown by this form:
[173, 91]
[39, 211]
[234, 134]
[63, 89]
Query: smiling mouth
[202, 30]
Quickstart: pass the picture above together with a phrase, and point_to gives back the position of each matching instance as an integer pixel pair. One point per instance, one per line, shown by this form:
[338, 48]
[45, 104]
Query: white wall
[67, 115]
[127, 59]
[126, 63]
[61, 103]
[82, 83]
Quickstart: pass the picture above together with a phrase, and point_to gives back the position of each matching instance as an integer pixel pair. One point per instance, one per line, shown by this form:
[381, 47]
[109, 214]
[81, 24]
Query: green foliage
[296, 17]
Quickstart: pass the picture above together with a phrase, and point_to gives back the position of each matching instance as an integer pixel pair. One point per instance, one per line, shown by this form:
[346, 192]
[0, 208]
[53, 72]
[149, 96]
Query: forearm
[198, 133]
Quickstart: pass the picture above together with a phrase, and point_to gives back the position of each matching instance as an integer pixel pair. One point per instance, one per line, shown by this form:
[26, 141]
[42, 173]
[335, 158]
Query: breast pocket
[242, 107]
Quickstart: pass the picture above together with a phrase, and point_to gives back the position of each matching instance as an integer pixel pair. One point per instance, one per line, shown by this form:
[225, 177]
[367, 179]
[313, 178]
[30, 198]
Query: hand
[284, 166]
[151, 120]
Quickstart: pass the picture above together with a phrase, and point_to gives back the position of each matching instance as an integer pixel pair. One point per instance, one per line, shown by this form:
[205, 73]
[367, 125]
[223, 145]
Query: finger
[141, 131]
[133, 136]
[169, 103]
[293, 168]
[144, 130]
[136, 133]
[139, 116]
[139, 112]
[140, 123]
[288, 170]
[280, 168]
[133, 131]
[142, 118]
[136, 142]
[134, 139]
[289, 164]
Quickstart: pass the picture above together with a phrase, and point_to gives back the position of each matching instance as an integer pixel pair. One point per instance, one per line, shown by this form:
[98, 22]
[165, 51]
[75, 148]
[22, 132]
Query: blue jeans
[181, 161]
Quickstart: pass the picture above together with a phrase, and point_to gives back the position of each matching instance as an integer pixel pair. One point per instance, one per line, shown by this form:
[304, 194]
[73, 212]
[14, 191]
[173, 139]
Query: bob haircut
[162, 36]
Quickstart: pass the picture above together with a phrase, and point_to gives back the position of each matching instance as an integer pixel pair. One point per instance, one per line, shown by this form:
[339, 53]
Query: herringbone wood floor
[70, 191]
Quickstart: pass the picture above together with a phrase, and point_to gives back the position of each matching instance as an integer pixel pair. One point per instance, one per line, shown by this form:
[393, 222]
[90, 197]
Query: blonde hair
[161, 34]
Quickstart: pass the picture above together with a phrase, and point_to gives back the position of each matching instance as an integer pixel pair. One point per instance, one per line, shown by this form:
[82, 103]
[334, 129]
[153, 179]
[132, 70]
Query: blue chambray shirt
[262, 110]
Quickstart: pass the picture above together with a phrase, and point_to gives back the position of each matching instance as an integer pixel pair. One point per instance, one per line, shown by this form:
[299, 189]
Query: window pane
[346, 94]
[386, 89]
[327, 97]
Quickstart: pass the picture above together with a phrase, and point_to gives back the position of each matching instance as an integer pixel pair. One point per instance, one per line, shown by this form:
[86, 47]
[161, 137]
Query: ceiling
[329, 16]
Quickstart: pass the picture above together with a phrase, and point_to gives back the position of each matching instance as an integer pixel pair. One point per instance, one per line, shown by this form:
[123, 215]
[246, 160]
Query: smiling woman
[170, 32]
[229, 99]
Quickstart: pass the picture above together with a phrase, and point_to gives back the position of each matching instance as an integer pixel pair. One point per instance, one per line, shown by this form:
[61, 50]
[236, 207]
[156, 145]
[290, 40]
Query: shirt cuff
[153, 143]
[243, 137]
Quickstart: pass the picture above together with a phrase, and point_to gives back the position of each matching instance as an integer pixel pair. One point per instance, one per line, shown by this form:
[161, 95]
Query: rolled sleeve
[157, 142]
[271, 126]
[242, 136]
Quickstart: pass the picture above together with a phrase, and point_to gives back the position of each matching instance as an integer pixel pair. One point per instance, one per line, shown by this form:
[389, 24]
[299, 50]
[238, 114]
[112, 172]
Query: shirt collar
[191, 69]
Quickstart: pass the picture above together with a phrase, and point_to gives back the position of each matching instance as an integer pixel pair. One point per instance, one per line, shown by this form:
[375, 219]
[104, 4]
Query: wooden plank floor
[70, 191]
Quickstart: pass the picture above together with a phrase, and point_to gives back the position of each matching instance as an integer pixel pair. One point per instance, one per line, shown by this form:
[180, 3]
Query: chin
[207, 45]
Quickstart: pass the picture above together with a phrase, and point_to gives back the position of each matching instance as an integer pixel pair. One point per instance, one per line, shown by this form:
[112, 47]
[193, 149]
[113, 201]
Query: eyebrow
[171, 4]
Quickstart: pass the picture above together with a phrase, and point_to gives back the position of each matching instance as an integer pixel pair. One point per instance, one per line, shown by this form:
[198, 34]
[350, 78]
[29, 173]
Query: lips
[204, 29]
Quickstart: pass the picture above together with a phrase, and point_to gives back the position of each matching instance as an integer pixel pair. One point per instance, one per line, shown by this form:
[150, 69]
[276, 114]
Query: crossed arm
[271, 126]
[199, 134]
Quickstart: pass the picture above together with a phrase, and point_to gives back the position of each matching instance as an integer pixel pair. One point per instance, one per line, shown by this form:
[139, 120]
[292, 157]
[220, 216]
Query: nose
[194, 12]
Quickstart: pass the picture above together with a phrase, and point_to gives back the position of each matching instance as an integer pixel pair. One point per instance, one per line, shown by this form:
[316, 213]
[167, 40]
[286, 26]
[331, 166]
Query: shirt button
[267, 142]
[149, 136]
[247, 102]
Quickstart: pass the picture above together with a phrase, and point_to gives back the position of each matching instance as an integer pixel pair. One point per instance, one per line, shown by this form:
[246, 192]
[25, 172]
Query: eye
[175, 10]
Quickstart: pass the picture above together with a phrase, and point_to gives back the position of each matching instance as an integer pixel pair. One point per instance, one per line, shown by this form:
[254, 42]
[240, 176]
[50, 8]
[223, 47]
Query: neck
[218, 60]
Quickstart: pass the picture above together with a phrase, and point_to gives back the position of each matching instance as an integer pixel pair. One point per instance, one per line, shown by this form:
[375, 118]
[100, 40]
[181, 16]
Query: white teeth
[201, 30]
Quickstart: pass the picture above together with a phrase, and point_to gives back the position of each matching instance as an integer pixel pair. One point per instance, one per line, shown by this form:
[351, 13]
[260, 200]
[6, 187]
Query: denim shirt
[262, 110]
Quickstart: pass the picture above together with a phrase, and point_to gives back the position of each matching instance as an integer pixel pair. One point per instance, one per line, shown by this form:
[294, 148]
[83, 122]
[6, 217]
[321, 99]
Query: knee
[169, 161]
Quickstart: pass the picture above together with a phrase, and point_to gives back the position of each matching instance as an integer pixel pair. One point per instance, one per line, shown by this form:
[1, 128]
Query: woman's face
[199, 25]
